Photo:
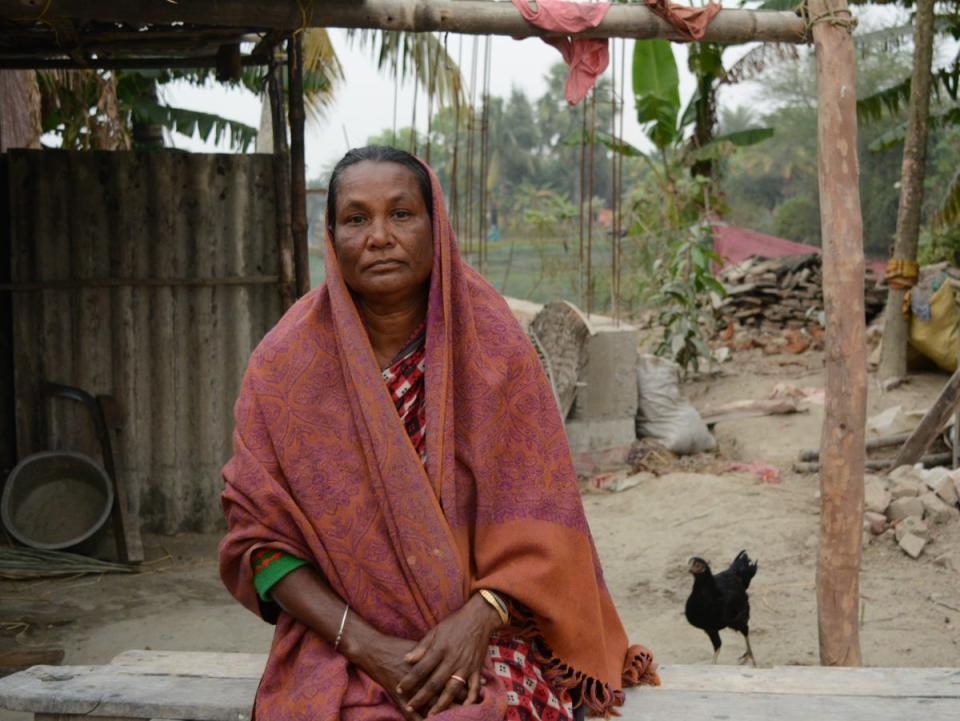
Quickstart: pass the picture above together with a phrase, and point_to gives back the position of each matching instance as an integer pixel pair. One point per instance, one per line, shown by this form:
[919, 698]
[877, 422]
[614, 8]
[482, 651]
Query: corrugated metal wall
[118, 234]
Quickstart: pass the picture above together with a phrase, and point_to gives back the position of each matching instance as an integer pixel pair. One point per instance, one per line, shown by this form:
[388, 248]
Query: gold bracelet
[498, 606]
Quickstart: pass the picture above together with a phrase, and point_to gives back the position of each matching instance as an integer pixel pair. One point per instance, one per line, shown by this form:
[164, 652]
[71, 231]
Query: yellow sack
[939, 338]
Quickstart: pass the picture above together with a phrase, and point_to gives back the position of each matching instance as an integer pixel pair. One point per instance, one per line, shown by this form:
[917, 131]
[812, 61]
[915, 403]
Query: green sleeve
[267, 578]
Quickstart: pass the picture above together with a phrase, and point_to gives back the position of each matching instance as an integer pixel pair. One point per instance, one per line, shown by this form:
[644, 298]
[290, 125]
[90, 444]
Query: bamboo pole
[842, 441]
[298, 173]
[471, 17]
[893, 354]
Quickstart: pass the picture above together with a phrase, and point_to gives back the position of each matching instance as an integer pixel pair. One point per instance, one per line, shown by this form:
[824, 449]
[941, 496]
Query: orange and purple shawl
[323, 469]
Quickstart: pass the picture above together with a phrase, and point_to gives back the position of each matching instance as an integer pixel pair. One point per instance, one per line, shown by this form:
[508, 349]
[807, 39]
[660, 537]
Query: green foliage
[680, 274]
[724, 145]
[939, 243]
[774, 189]
[799, 219]
[688, 274]
[92, 110]
[656, 90]
[530, 142]
[950, 210]
[81, 107]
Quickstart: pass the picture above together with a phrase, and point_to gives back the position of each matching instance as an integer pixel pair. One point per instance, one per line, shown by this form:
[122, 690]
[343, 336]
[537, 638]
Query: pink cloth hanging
[689, 22]
[587, 57]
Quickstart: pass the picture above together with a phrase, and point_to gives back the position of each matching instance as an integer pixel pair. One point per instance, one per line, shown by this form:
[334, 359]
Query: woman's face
[382, 233]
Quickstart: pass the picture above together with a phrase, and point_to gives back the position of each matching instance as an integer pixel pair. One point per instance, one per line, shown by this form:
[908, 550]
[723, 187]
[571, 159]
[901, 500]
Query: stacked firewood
[782, 293]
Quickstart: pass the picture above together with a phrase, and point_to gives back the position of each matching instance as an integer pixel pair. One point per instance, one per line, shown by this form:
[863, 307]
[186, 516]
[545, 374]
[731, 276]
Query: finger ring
[461, 679]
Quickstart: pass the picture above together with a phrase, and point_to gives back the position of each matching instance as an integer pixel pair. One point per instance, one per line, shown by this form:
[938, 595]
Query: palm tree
[127, 108]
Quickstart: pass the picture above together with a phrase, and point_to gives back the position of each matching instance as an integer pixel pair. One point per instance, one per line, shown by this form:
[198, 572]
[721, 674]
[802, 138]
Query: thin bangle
[343, 622]
[498, 605]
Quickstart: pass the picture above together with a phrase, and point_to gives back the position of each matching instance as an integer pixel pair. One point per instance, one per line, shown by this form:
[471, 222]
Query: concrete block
[608, 376]
[875, 522]
[903, 507]
[912, 545]
[598, 435]
[935, 510]
[912, 524]
[876, 496]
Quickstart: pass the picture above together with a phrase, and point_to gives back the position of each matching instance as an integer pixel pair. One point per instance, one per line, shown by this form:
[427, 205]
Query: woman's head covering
[323, 470]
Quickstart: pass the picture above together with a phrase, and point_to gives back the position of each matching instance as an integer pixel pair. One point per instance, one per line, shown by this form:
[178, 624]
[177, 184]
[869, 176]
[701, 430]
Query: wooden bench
[220, 687]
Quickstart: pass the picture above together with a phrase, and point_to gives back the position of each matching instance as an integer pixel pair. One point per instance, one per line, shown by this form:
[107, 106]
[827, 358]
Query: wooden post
[842, 442]
[281, 181]
[893, 354]
[934, 420]
[298, 180]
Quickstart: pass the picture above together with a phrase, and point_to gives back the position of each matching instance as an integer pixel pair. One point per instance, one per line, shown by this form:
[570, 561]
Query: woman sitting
[401, 501]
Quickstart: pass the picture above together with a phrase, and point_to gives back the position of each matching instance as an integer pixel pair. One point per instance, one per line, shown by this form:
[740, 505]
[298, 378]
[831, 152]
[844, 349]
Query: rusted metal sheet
[104, 246]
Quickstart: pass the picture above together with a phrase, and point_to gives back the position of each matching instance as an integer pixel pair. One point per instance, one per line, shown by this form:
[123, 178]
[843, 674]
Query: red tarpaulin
[734, 244]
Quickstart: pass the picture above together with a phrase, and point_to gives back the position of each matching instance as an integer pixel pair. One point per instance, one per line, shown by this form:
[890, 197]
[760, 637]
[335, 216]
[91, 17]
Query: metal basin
[56, 499]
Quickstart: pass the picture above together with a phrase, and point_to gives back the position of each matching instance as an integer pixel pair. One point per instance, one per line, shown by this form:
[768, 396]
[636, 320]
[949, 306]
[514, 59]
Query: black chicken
[720, 601]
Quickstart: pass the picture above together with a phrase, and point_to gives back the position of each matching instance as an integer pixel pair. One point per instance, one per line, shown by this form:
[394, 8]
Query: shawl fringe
[639, 668]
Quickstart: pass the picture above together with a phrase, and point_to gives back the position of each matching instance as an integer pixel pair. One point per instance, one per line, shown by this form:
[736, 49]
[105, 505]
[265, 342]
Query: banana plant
[668, 124]
[682, 169]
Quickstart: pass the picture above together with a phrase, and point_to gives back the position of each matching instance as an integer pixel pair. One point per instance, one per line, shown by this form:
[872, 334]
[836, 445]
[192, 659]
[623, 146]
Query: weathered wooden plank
[191, 663]
[890, 682]
[814, 680]
[81, 717]
[85, 689]
[645, 704]
[206, 699]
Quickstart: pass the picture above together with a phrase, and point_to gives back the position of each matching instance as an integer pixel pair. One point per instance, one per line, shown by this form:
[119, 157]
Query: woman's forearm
[306, 596]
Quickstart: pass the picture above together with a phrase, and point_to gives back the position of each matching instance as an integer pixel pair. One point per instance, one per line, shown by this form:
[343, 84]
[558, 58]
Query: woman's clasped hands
[443, 669]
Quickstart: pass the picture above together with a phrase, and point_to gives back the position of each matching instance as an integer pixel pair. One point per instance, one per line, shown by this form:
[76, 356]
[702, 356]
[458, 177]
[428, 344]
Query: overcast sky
[364, 103]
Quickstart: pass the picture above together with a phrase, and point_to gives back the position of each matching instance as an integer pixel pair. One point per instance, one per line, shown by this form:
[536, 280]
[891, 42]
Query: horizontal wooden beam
[90, 283]
[155, 42]
[49, 61]
[472, 17]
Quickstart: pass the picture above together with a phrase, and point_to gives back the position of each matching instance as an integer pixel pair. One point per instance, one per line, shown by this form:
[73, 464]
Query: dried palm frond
[24, 563]
[755, 61]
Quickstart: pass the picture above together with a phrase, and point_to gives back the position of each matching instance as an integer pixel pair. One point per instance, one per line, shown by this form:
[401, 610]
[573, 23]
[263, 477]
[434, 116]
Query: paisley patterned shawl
[323, 469]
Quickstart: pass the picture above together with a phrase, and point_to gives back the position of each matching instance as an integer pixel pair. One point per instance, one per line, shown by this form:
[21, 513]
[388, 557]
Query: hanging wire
[593, 133]
[396, 86]
[484, 158]
[581, 293]
[620, 158]
[454, 170]
[471, 142]
[614, 193]
[413, 121]
[430, 93]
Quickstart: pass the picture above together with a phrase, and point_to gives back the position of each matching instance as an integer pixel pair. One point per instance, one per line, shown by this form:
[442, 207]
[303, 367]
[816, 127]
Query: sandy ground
[911, 609]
